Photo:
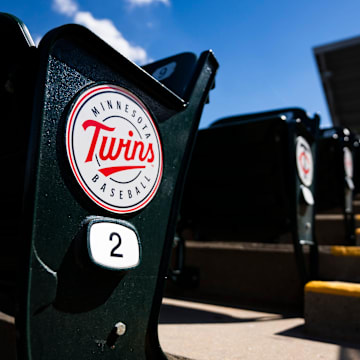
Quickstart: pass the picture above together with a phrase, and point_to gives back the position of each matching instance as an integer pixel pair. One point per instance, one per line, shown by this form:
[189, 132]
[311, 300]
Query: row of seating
[264, 177]
[104, 166]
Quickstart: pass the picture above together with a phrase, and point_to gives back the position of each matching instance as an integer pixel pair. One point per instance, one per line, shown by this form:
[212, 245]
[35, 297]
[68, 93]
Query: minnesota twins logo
[114, 148]
[304, 161]
[348, 162]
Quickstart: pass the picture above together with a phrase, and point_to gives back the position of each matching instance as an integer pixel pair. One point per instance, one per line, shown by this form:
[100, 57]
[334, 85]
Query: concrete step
[339, 263]
[356, 206]
[332, 309]
[339, 210]
[330, 229]
[237, 272]
[255, 273]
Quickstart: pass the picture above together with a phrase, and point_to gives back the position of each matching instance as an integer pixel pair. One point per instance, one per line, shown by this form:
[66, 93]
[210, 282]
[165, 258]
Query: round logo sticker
[304, 161]
[114, 148]
[348, 162]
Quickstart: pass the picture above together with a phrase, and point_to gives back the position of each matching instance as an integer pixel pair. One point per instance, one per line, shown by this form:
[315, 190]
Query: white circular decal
[114, 148]
[348, 162]
[304, 161]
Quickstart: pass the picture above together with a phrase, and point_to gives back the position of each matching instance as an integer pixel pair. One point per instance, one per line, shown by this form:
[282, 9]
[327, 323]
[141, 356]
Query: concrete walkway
[199, 331]
[209, 332]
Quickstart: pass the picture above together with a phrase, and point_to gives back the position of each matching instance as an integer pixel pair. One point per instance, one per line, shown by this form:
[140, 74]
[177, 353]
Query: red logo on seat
[114, 148]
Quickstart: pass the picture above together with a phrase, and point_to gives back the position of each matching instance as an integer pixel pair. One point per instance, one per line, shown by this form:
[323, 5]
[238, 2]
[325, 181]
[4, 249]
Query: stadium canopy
[339, 67]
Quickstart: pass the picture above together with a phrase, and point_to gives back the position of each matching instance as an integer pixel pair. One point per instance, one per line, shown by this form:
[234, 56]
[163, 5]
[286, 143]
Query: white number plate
[113, 246]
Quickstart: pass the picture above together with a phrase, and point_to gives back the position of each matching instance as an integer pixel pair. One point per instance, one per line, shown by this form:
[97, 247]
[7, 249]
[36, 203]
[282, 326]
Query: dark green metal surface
[356, 154]
[243, 174]
[69, 306]
[175, 72]
[335, 192]
[16, 85]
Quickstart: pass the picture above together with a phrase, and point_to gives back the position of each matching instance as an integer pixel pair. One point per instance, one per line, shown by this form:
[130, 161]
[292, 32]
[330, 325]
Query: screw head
[120, 328]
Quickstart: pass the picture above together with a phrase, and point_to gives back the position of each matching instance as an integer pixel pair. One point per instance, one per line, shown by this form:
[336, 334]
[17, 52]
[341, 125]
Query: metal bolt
[308, 226]
[120, 328]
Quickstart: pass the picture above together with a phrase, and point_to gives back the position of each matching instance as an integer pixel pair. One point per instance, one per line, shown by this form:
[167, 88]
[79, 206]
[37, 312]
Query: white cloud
[147, 2]
[107, 31]
[65, 7]
[103, 28]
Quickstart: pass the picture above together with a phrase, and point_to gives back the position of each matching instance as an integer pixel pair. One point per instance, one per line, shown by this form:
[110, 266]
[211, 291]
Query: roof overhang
[339, 67]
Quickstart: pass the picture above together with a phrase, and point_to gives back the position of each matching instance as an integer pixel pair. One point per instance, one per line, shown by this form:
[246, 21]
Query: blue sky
[264, 47]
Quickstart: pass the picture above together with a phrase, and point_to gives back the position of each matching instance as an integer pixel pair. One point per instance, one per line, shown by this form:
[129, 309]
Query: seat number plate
[113, 246]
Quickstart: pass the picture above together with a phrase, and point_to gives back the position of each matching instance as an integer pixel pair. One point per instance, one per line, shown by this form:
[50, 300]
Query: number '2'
[113, 253]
